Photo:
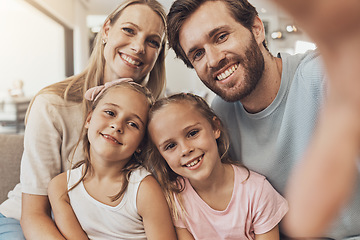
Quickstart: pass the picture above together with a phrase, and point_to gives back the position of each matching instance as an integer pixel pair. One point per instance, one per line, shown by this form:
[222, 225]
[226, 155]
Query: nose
[117, 127]
[186, 149]
[138, 46]
[214, 56]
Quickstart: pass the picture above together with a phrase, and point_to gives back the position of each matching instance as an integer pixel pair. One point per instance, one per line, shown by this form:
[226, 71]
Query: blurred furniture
[12, 112]
[11, 149]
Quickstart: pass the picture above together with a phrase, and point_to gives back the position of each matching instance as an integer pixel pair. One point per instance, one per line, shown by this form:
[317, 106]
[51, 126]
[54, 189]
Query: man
[269, 104]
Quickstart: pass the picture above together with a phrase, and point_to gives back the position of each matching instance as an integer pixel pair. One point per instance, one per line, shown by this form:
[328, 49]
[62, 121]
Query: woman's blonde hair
[74, 87]
[135, 160]
[172, 183]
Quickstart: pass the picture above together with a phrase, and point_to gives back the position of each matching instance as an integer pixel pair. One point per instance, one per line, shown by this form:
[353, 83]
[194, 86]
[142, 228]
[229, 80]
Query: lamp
[291, 28]
[277, 35]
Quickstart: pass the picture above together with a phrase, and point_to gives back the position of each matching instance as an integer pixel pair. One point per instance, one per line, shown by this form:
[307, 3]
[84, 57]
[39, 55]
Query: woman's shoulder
[49, 98]
[53, 108]
[54, 105]
[53, 100]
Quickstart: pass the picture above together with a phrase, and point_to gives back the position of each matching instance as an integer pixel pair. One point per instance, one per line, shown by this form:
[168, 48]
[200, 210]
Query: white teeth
[129, 60]
[228, 72]
[193, 163]
[110, 138]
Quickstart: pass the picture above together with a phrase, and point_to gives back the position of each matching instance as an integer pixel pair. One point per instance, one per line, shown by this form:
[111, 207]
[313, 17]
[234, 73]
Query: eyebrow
[209, 35]
[132, 114]
[138, 27]
[131, 23]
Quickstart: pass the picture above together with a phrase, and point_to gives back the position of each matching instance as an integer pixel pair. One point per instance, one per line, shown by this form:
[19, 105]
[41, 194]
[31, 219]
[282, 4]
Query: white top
[101, 221]
[52, 130]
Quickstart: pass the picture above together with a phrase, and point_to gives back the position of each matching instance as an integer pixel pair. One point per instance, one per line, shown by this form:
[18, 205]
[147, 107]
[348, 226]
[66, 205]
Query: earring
[104, 41]
[138, 150]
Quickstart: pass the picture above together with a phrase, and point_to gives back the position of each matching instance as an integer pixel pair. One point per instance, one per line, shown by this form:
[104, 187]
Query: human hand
[326, 21]
[335, 27]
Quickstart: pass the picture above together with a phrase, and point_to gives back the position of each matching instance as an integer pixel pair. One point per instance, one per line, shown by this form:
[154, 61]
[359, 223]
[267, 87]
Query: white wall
[61, 9]
[81, 37]
[72, 14]
[31, 47]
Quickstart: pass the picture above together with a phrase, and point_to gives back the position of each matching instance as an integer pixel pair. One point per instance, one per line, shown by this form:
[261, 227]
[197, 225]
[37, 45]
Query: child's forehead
[180, 109]
[123, 90]
[181, 104]
[123, 95]
[120, 87]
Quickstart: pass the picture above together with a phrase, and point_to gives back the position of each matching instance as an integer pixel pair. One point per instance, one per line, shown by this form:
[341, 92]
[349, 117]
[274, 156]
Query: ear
[258, 30]
[216, 127]
[88, 118]
[106, 28]
[142, 145]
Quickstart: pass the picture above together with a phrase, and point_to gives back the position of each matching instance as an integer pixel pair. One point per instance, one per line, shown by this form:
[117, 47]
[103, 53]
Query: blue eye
[110, 113]
[222, 37]
[193, 133]
[154, 43]
[198, 54]
[129, 30]
[169, 146]
[134, 125]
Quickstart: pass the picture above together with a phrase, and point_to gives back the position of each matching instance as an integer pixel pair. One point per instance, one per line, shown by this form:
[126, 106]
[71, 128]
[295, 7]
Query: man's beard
[253, 64]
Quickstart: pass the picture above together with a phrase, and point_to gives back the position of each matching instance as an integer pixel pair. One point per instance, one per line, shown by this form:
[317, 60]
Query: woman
[130, 44]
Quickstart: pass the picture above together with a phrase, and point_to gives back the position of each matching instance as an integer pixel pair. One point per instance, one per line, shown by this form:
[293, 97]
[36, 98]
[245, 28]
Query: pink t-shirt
[255, 208]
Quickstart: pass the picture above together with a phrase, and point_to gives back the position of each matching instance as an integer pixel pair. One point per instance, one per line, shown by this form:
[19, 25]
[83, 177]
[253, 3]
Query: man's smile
[227, 72]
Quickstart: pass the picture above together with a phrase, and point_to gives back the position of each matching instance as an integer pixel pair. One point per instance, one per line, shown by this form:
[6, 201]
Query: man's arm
[325, 178]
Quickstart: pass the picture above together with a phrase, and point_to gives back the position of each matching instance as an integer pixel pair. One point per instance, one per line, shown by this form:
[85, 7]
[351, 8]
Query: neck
[101, 169]
[267, 87]
[219, 178]
[221, 184]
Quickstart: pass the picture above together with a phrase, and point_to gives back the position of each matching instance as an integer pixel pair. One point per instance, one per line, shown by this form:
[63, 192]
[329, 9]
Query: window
[33, 47]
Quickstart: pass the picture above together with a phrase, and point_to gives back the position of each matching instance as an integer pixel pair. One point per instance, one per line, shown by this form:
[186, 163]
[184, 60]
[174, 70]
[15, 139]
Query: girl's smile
[194, 163]
[110, 138]
[117, 124]
[187, 141]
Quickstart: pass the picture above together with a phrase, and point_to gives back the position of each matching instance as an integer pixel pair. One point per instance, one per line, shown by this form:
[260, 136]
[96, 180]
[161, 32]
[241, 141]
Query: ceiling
[99, 9]
[104, 7]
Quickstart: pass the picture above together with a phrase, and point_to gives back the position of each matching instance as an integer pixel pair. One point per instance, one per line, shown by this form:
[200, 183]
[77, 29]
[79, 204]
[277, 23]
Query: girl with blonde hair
[210, 195]
[107, 194]
[130, 44]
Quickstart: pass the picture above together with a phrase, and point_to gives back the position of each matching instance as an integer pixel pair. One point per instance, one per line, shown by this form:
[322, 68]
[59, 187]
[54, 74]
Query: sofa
[11, 149]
